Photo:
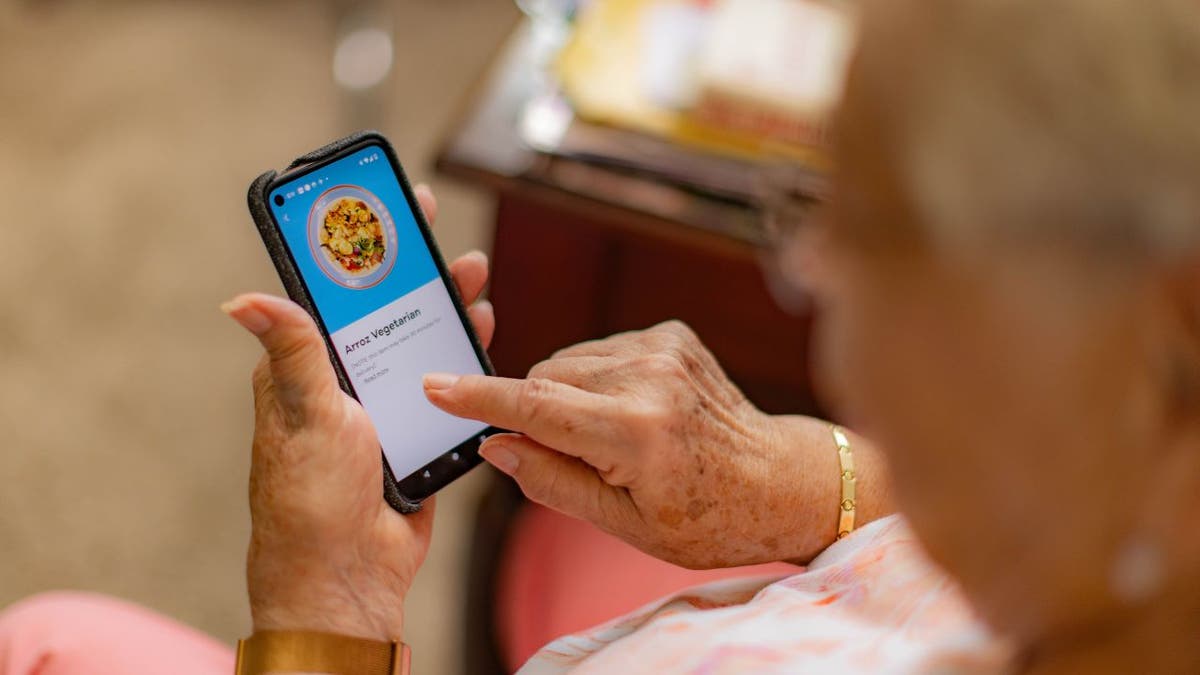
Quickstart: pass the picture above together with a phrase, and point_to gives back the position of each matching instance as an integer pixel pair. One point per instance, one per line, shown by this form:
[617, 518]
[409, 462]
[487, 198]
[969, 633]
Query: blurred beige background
[129, 132]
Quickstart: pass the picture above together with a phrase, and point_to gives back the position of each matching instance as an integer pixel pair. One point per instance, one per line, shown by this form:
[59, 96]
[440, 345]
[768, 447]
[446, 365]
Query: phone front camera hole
[278, 200]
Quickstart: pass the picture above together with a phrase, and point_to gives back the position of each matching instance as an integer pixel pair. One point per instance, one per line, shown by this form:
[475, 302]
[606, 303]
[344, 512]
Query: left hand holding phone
[326, 552]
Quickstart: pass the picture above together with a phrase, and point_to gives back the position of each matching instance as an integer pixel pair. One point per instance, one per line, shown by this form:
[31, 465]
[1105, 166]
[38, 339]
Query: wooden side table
[582, 251]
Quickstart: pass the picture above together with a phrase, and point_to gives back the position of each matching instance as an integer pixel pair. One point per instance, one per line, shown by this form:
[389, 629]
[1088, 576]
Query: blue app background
[369, 169]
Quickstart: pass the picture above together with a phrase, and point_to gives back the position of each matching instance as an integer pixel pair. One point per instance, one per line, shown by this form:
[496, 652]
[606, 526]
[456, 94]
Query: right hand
[644, 435]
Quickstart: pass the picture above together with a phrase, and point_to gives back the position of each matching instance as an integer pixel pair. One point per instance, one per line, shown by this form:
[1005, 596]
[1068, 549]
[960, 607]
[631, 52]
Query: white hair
[1077, 120]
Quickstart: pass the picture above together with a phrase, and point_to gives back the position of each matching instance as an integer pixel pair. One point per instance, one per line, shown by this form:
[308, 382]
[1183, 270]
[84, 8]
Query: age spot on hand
[697, 508]
[670, 516]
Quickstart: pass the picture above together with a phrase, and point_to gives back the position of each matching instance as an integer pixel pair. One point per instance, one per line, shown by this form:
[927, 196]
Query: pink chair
[558, 575]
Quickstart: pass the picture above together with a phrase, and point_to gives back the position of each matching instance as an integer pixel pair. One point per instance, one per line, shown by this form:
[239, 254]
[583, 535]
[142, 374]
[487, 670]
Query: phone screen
[358, 248]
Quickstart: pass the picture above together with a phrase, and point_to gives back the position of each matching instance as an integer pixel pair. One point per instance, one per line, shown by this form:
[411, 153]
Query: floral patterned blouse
[871, 603]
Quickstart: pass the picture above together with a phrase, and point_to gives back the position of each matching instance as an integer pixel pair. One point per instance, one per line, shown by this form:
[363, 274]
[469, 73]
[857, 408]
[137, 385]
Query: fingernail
[480, 255]
[249, 317]
[500, 457]
[437, 381]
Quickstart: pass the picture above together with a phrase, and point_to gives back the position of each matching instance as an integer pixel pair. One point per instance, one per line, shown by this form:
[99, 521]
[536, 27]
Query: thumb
[561, 482]
[298, 359]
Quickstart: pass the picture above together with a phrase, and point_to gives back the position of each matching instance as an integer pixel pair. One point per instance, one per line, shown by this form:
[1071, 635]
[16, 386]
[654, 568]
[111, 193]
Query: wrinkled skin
[314, 452]
[326, 552]
[644, 435]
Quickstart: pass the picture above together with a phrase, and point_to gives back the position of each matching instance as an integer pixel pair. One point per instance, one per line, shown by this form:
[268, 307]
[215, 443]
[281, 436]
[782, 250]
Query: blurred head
[1011, 295]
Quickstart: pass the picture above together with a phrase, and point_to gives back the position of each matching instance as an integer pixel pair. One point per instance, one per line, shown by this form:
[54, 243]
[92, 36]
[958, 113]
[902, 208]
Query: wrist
[348, 619]
[818, 493]
[338, 602]
[807, 481]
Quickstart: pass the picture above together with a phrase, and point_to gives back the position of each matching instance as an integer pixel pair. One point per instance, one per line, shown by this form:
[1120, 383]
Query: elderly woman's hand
[326, 552]
[643, 435]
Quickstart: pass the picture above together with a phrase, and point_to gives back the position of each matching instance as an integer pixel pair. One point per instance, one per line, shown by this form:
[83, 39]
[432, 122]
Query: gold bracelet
[312, 652]
[846, 460]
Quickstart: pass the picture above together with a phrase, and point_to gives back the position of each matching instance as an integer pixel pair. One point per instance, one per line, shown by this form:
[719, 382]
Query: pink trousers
[75, 633]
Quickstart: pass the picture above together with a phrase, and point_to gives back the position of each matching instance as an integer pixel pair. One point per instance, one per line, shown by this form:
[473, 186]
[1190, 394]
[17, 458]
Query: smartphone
[352, 247]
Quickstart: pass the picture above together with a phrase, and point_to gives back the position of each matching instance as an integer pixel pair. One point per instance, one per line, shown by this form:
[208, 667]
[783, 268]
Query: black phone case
[296, 290]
